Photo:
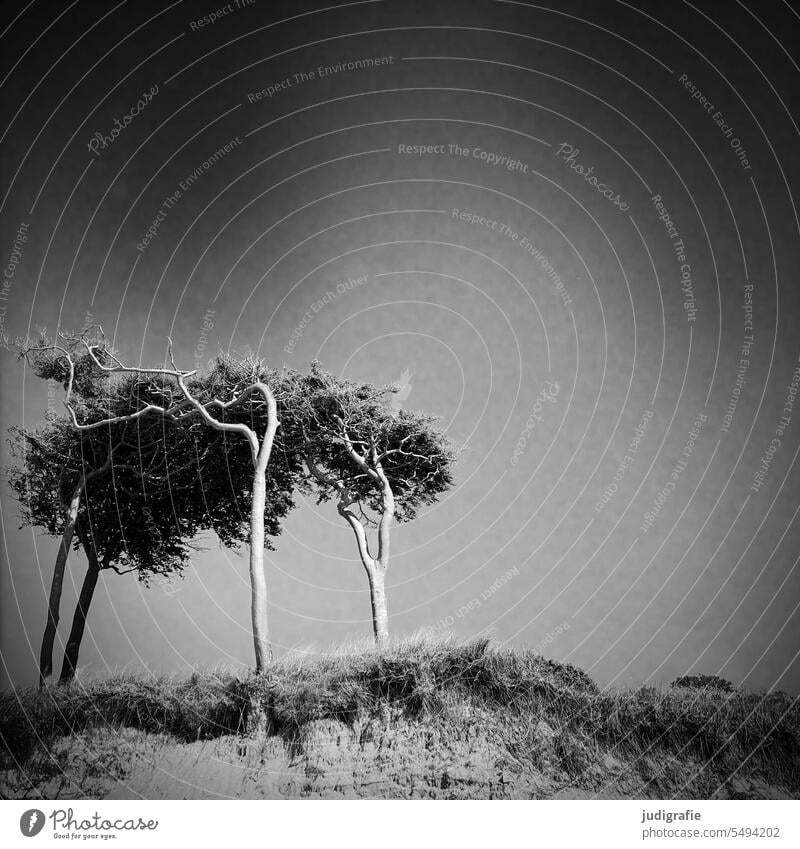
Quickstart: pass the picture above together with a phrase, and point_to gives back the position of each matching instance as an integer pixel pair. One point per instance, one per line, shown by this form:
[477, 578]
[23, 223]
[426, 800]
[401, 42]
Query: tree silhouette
[379, 465]
[139, 513]
[132, 396]
[59, 466]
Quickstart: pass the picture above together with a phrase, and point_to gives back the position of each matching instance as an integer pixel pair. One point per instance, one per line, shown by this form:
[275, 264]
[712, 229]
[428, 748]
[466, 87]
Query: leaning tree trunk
[54, 602]
[73, 647]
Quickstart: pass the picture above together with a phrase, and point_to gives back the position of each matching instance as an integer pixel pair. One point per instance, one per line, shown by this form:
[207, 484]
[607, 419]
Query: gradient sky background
[318, 192]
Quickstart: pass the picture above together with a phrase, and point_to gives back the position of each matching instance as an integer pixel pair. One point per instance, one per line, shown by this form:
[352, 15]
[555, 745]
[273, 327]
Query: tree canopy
[380, 465]
[148, 458]
[134, 473]
[349, 427]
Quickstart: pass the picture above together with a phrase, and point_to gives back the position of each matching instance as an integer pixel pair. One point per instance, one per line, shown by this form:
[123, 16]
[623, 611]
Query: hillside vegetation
[420, 719]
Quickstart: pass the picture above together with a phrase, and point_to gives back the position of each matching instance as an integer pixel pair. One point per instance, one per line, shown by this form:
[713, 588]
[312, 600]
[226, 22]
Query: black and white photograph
[399, 402]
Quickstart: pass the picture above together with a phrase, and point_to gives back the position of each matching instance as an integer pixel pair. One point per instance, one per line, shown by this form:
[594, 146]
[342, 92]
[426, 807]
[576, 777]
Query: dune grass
[425, 680]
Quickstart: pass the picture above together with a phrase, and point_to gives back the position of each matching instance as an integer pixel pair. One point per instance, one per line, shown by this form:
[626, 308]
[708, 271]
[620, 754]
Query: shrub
[703, 682]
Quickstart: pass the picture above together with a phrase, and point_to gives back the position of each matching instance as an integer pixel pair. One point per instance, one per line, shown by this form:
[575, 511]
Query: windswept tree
[145, 517]
[127, 527]
[248, 412]
[134, 509]
[59, 465]
[145, 513]
[56, 468]
[378, 465]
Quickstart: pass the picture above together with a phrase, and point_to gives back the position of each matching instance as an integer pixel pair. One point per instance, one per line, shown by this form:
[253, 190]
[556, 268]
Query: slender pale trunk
[260, 455]
[258, 581]
[377, 594]
[375, 567]
[377, 586]
[73, 647]
[54, 602]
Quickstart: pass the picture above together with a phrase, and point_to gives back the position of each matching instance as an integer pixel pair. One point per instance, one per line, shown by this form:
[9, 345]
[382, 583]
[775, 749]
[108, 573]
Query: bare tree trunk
[380, 615]
[261, 454]
[54, 602]
[376, 573]
[73, 647]
[258, 581]
[375, 567]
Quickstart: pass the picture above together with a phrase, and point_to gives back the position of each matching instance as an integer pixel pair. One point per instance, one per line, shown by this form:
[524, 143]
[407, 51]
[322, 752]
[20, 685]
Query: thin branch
[353, 454]
[121, 571]
[360, 534]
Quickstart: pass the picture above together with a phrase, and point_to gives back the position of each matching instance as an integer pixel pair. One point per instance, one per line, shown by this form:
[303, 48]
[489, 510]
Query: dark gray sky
[603, 200]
